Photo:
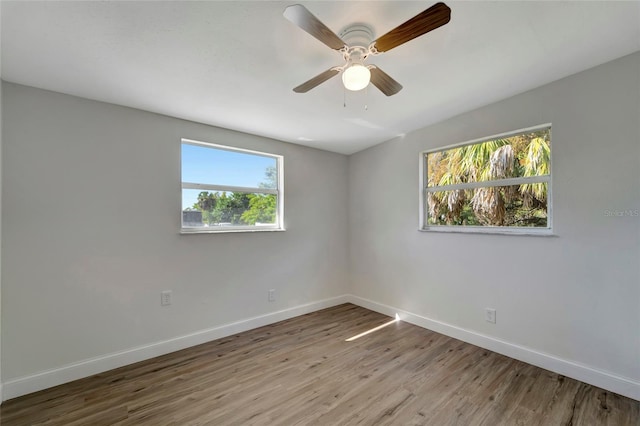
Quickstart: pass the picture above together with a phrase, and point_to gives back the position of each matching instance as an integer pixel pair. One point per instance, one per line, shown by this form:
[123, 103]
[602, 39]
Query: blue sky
[220, 167]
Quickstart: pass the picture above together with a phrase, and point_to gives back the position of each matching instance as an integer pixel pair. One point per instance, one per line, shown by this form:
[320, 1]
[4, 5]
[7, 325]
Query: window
[227, 189]
[498, 184]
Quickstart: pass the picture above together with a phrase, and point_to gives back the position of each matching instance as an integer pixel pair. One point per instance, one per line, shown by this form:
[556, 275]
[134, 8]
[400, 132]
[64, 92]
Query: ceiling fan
[356, 46]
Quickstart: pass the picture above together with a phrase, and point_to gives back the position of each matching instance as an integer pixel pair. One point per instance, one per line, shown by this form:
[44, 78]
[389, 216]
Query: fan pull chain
[344, 94]
[366, 98]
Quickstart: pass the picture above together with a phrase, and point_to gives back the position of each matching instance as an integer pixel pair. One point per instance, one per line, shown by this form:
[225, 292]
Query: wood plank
[302, 371]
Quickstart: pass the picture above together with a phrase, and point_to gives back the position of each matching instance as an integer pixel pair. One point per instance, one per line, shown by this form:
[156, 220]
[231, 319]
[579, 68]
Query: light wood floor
[303, 372]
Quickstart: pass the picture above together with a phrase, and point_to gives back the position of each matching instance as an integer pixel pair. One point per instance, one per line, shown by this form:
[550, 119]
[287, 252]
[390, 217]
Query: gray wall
[575, 295]
[92, 217]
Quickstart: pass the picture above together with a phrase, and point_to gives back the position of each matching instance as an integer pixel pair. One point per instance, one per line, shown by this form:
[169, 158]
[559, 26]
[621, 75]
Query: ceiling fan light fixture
[356, 77]
[355, 45]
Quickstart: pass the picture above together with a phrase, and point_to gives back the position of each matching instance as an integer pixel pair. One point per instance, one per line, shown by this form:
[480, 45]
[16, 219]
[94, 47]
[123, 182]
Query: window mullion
[490, 183]
[227, 188]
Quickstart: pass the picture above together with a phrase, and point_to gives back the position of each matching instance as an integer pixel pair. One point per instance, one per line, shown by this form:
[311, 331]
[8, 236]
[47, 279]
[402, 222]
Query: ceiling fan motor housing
[357, 35]
[356, 44]
[357, 38]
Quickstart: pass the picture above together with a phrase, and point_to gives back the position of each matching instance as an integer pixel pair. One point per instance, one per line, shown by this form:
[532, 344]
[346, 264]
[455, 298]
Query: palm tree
[517, 156]
[536, 162]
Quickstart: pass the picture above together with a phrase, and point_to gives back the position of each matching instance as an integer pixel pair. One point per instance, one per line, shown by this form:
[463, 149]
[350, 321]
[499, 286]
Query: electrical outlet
[490, 315]
[272, 295]
[165, 298]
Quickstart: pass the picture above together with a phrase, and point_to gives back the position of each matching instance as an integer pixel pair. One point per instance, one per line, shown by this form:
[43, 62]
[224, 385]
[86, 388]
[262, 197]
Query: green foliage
[239, 208]
[518, 156]
[262, 209]
[222, 207]
[536, 161]
[207, 202]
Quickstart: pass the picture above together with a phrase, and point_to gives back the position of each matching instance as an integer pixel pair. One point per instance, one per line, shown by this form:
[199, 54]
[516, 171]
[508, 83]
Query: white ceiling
[234, 64]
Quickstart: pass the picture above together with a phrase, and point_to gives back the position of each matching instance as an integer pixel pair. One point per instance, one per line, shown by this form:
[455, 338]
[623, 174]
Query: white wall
[573, 298]
[91, 236]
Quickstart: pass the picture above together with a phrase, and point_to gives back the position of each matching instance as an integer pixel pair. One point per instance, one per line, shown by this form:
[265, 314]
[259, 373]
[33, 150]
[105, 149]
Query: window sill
[187, 231]
[490, 231]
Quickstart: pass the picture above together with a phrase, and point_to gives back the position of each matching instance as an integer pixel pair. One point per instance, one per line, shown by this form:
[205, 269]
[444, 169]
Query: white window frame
[424, 189]
[278, 191]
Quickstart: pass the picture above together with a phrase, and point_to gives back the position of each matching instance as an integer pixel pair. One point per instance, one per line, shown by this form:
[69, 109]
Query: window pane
[204, 209]
[515, 206]
[521, 155]
[208, 165]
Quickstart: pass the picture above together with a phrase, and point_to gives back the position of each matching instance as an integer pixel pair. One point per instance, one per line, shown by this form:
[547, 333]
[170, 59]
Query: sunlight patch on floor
[357, 336]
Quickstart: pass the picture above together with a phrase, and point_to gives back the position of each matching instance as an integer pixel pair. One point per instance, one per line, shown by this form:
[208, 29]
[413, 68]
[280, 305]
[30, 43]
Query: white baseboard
[605, 380]
[24, 385]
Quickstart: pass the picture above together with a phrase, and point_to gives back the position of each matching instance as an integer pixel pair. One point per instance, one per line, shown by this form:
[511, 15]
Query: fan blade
[299, 15]
[428, 20]
[384, 82]
[316, 81]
